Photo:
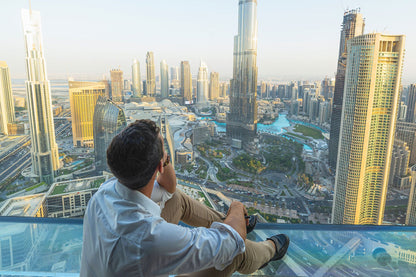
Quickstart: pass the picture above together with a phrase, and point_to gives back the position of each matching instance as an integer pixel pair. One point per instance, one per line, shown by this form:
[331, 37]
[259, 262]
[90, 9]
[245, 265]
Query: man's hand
[235, 218]
[167, 176]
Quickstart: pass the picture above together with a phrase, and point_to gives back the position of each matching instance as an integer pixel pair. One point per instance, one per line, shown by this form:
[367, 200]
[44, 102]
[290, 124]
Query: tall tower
[242, 118]
[202, 84]
[83, 97]
[150, 75]
[352, 26]
[174, 73]
[411, 104]
[186, 82]
[164, 79]
[6, 99]
[411, 206]
[214, 86]
[371, 97]
[117, 85]
[223, 89]
[406, 132]
[44, 152]
[137, 82]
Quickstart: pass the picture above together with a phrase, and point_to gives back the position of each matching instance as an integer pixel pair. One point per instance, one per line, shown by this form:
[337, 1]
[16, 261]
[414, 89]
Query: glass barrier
[52, 247]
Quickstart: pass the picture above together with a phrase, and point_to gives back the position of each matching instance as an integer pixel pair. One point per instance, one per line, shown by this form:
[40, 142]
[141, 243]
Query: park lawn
[35, 186]
[296, 135]
[308, 131]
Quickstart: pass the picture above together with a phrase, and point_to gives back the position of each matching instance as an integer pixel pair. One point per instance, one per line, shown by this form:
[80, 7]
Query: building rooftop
[77, 185]
[23, 205]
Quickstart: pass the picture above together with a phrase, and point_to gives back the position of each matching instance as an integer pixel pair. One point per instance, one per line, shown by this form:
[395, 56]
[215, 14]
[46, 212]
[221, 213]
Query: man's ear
[160, 167]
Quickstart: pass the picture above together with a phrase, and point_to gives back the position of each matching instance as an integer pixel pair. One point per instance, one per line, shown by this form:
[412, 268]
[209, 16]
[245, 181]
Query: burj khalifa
[242, 117]
[45, 160]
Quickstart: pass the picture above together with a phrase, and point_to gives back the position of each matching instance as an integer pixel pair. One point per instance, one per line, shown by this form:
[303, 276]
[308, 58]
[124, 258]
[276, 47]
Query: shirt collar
[138, 197]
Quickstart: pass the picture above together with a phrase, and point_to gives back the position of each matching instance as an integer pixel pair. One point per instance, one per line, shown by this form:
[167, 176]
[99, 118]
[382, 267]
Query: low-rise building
[184, 156]
[70, 198]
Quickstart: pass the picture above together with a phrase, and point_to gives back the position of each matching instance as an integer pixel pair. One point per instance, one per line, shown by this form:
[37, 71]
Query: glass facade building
[371, 97]
[109, 120]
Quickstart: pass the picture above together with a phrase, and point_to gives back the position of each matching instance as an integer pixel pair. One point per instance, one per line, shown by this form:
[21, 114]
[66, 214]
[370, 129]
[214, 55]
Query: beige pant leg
[256, 255]
[181, 207]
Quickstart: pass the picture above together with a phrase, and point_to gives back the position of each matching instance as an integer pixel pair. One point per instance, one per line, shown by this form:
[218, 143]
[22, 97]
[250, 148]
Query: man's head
[135, 154]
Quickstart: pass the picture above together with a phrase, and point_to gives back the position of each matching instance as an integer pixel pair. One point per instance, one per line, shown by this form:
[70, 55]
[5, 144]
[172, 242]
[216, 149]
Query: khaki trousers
[183, 208]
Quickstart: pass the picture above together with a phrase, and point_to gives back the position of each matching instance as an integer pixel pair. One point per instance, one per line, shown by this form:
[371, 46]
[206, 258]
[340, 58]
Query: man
[127, 234]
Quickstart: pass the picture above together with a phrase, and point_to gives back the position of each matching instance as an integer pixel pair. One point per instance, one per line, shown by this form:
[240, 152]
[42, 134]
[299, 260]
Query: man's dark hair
[134, 154]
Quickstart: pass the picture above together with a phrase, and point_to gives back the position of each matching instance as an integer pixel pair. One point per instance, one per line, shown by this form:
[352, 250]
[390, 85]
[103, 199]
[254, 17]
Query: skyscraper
[109, 120]
[411, 206]
[83, 97]
[44, 151]
[406, 132]
[402, 111]
[150, 75]
[352, 26]
[399, 167]
[202, 85]
[117, 85]
[175, 81]
[137, 82]
[174, 73]
[242, 118]
[6, 99]
[411, 104]
[186, 82]
[371, 97]
[214, 86]
[164, 79]
[223, 89]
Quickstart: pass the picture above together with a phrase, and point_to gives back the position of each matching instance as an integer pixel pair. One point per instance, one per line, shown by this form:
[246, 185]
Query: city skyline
[283, 33]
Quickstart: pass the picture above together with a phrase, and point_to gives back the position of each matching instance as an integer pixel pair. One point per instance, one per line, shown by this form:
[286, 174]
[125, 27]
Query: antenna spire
[30, 7]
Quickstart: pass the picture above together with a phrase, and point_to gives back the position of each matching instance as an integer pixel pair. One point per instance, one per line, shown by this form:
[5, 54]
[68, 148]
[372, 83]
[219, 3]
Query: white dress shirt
[124, 235]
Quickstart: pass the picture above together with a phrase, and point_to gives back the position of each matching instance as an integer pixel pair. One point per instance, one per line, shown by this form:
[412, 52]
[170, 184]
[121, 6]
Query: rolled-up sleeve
[177, 250]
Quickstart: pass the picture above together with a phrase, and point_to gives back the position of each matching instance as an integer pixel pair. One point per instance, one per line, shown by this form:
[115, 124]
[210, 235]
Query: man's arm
[173, 249]
[167, 177]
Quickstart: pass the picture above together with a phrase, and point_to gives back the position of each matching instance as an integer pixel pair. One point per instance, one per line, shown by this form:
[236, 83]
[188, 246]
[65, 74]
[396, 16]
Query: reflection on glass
[41, 247]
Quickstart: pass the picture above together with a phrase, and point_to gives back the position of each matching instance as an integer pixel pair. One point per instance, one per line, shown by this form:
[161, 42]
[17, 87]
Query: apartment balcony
[52, 247]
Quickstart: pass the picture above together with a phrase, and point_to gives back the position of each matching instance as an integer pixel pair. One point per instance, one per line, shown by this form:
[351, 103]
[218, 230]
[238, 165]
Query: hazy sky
[297, 39]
